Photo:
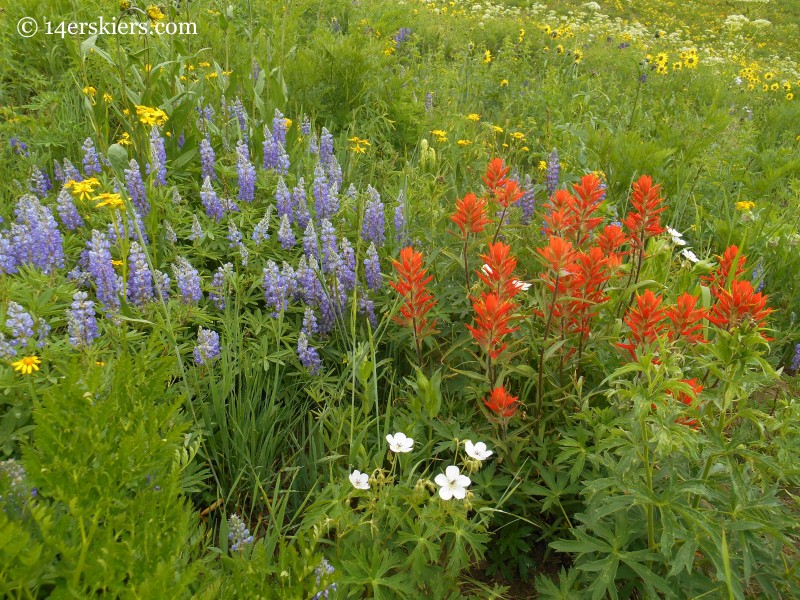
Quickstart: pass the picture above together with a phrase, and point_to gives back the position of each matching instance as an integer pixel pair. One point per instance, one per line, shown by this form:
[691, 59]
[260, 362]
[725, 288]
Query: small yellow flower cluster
[518, 135]
[82, 189]
[464, 143]
[745, 205]
[439, 135]
[110, 200]
[124, 139]
[151, 116]
[578, 54]
[487, 56]
[359, 146]
[689, 58]
[474, 117]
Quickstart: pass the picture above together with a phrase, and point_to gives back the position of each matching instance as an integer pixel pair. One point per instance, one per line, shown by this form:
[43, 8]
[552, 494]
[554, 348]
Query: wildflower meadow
[306, 299]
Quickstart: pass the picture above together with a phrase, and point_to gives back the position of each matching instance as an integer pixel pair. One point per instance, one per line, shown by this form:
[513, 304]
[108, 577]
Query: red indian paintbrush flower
[588, 195]
[492, 316]
[559, 219]
[559, 256]
[739, 306]
[689, 400]
[495, 177]
[732, 260]
[685, 321]
[645, 221]
[498, 271]
[418, 301]
[645, 322]
[501, 403]
[470, 215]
[508, 193]
[610, 240]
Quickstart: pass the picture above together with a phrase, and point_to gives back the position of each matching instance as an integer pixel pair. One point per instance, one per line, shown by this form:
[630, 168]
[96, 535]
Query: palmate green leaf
[684, 558]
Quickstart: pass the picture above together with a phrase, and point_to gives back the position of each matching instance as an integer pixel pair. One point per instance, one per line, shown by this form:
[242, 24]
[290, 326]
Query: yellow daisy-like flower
[774, 87]
[389, 50]
[474, 117]
[116, 263]
[211, 75]
[745, 205]
[124, 5]
[27, 365]
[677, 66]
[124, 139]
[463, 143]
[358, 149]
[497, 129]
[690, 62]
[190, 67]
[126, 111]
[518, 135]
[542, 165]
[525, 149]
[204, 64]
[790, 96]
[107, 98]
[750, 87]
[154, 13]
[521, 36]
[662, 69]
[578, 54]
[768, 76]
[438, 132]
[487, 56]
[504, 83]
[287, 123]
[765, 87]
[110, 200]
[81, 189]
[559, 49]
[89, 91]
[662, 58]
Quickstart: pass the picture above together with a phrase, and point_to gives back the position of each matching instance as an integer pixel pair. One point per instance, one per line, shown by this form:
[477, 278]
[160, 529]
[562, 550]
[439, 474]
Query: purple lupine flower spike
[106, 281]
[246, 172]
[261, 231]
[140, 279]
[308, 355]
[207, 348]
[301, 214]
[284, 200]
[70, 217]
[34, 238]
[372, 269]
[207, 159]
[188, 281]
[285, 234]
[210, 200]
[373, 227]
[20, 323]
[552, 172]
[135, 187]
[158, 157]
[91, 162]
[81, 321]
[400, 233]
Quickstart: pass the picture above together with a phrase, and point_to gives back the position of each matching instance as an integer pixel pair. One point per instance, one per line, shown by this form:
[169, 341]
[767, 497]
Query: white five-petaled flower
[452, 484]
[690, 255]
[359, 480]
[399, 442]
[477, 451]
[677, 236]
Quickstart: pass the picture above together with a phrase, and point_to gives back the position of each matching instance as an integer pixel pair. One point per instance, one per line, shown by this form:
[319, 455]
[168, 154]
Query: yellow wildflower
[504, 83]
[116, 263]
[287, 123]
[661, 69]
[81, 189]
[463, 143]
[107, 98]
[211, 75]
[521, 36]
[487, 56]
[559, 49]
[578, 54]
[745, 205]
[662, 58]
[497, 129]
[154, 13]
[690, 62]
[677, 66]
[475, 117]
[518, 135]
[790, 96]
[774, 87]
[204, 64]
[89, 91]
[124, 139]
[542, 165]
[27, 365]
[438, 132]
[525, 149]
[108, 199]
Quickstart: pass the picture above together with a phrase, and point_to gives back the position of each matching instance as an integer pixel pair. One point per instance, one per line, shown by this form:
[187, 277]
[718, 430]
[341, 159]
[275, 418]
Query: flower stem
[544, 343]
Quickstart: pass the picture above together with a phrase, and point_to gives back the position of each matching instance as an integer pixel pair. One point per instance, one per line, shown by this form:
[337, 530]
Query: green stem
[649, 509]
[544, 342]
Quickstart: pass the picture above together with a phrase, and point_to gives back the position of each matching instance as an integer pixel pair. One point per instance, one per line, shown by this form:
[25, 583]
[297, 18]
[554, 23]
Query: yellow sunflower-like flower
[110, 200]
[474, 117]
[27, 364]
[464, 143]
[487, 56]
[745, 205]
[124, 139]
[154, 13]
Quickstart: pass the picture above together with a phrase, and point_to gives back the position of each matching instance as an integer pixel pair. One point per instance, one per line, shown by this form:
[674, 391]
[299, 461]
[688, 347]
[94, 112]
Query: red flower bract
[470, 215]
[741, 305]
[411, 284]
[685, 321]
[492, 315]
[498, 271]
[645, 322]
[495, 177]
[501, 403]
[645, 221]
[508, 193]
[732, 260]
